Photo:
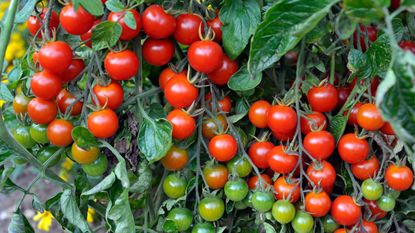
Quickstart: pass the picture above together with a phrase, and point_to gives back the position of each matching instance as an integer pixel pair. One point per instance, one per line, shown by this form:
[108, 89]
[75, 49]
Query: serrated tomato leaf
[154, 138]
[71, 211]
[105, 35]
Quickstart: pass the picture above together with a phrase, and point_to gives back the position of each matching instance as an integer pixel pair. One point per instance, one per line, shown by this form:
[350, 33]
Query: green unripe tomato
[182, 218]
[46, 152]
[241, 205]
[39, 133]
[236, 190]
[174, 186]
[22, 136]
[211, 208]
[203, 228]
[283, 211]
[303, 222]
[262, 201]
[240, 165]
[96, 168]
[371, 189]
[329, 224]
[386, 203]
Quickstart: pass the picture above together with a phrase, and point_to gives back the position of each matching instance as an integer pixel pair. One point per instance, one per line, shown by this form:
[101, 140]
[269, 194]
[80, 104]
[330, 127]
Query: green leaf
[269, 228]
[105, 184]
[309, 82]
[95, 7]
[121, 214]
[242, 80]
[25, 12]
[240, 19]
[71, 211]
[379, 56]
[14, 75]
[83, 137]
[19, 224]
[241, 109]
[5, 152]
[154, 138]
[122, 174]
[337, 126]
[356, 60]
[285, 24]
[115, 5]
[344, 26]
[365, 11]
[5, 93]
[143, 183]
[105, 35]
[130, 20]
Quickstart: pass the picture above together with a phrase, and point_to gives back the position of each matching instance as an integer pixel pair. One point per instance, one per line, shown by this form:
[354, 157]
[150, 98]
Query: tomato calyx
[209, 35]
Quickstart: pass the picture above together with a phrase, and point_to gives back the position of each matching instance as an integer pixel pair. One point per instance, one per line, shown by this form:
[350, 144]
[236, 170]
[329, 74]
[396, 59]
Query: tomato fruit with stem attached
[211, 208]
[182, 218]
[303, 222]
[39, 133]
[386, 203]
[345, 210]
[60, 132]
[175, 159]
[240, 166]
[121, 65]
[111, 96]
[283, 211]
[216, 175]
[42, 111]
[258, 113]
[103, 123]
[236, 190]
[371, 190]
[317, 203]
[313, 122]
[73, 70]
[174, 186]
[97, 167]
[258, 152]
[223, 147]
[45, 85]
[323, 98]
[179, 92]
[20, 103]
[158, 52]
[254, 181]
[127, 33]
[65, 99]
[322, 173]
[280, 161]
[157, 23]
[262, 201]
[216, 26]
[203, 228]
[166, 75]
[187, 28]
[22, 135]
[369, 117]
[319, 144]
[45, 153]
[399, 178]
[287, 189]
[34, 23]
[222, 75]
[76, 22]
[55, 56]
[205, 56]
[366, 169]
[183, 124]
[353, 149]
[214, 126]
[84, 155]
[281, 119]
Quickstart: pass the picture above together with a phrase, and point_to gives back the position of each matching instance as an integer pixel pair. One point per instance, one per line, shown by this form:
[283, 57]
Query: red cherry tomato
[45, 85]
[323, 173]
[74, 69]
[187, 29]
[216, 25]
[281, 119]
[76, 22]
[60, 132]
[258, 113]
[353, 149]
[387, 129]
[353, 114]
[369, 227]
[258, 153]
[66, 99]
[312, 122]
[395, 4]
[342, 93]
[369, 117]
[88, 35]
[158, 52]
[366, 169]
[399, 178]
[345, 211]
[179, 92]
[121, 65]
[183, 124]
[287, 190]
[283, 137]
[127, 33]
[320, 144]
[317, 203]
[34, 23]
[205, 56]
[254, 180]
[55, 56]
[157, 23]
[323, 98]
[166, 75]
[223, 147]
[42, 111]
[103, 123]
[281, 162]
[222, 75]
[225, 104]
[408, 46]
[110, 96]
[375, 211]
[371, 34]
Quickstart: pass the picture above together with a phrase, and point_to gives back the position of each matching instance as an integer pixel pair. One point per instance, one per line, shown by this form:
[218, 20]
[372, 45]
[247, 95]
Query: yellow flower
[90, 215]
[45, 220]
[68, 164]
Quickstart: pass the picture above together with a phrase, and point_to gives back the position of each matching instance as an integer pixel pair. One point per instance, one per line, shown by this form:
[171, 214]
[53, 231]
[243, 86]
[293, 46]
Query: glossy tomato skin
[158, 52]
[368, 226]
[203, 228]
[284, 137]
[175, 159]
[258, 152]
[280, 161]
[353, 114]
[127, 33]
[88, 35]
[97, 167]
[157, 23]
[216, 175]
[205, 56]
[216, 25]
[39, 133]
[46, 153]
[111, 96]
[317, 203]
[369, 117]
[103, 123]
[371, 34]
[366, 169]
[183, 124]
[60, 132]
[353, 149]
[240, 166]
[42, 111]
[223, 147]
[45, 85]
[399, 178]
[180, 93]
[312, 122]
[76, 22]
[211, 208]
[236, 190]
[408, 46]
[174, 186]
[55, 56]
[222, 75]
[20, 103]
[258, 113]
[187, 28]
[281, 119]
[34, 23]
[375, 211]
[212, 127]
[181, 217]
[323, 98]
[166, 75]
[322, 173]
[121, 65]
[345, 211]
[283, 211]
[84, 156]
[66, 99]
[224, 104]
[371, 189]
[287, 190]
[22, 135]
[303, 222]
[320, 144]
[74, 69]
[254, 181]
[262, 201]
